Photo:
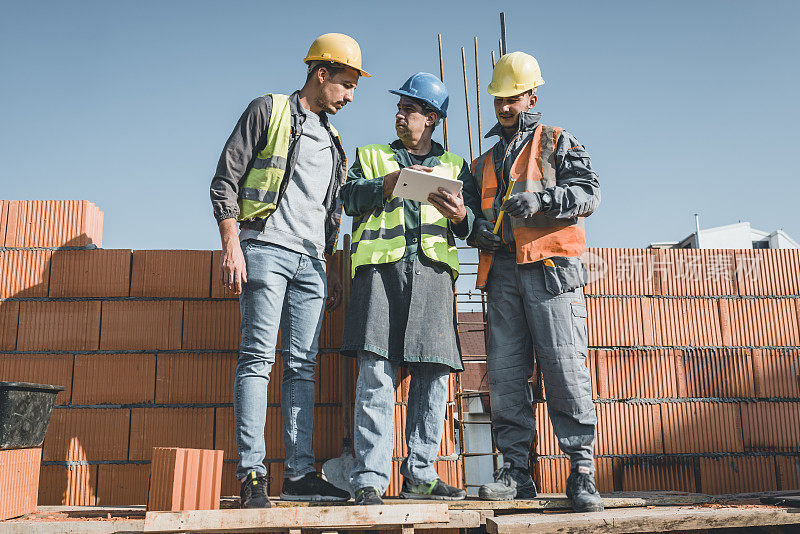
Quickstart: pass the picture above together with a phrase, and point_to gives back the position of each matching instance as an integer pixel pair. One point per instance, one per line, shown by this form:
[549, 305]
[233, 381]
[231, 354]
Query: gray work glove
[522, 205]
[483, 237]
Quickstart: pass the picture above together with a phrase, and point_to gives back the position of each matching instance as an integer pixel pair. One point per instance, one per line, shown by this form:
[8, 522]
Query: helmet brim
[361, 72]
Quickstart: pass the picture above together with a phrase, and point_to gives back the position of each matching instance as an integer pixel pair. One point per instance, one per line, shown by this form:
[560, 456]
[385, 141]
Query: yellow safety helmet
[515, 73]
[336, 48]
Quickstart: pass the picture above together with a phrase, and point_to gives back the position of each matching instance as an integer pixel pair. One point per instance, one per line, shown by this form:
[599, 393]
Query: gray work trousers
[525, 318]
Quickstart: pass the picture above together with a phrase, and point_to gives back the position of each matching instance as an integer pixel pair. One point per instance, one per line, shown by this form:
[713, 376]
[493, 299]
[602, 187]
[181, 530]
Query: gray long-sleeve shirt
[246, 141]
[577, 189]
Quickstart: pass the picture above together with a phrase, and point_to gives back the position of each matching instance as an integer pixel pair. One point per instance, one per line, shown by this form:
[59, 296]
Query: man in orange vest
[534, 187]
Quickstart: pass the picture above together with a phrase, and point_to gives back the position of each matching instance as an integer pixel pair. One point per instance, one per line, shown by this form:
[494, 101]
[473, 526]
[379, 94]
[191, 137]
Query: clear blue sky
[684, 106]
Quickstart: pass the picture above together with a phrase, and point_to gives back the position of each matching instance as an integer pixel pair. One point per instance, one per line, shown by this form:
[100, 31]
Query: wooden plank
[642, 520]
[462, 519]
[71, 527]
[556, 501]
[297, 517]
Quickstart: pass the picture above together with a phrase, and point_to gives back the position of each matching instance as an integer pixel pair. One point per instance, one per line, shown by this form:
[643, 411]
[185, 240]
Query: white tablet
[417, 185]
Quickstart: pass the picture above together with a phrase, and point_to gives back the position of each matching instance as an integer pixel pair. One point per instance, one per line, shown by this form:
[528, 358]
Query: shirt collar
[527, 120]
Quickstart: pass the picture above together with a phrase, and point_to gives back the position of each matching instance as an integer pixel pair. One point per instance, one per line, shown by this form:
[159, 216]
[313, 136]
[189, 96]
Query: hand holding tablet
[415, 184]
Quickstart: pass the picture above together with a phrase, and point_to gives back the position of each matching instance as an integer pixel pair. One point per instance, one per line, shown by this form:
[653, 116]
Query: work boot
[436, 490]
[582, 491]
[254, 491]
[312, 487]
[509, 483]
[368, 496]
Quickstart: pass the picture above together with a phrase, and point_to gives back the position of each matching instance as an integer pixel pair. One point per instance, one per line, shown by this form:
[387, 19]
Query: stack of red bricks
[695, 364]
[145, 343]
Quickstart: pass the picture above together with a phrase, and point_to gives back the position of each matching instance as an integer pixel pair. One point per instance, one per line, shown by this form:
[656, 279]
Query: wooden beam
[555, 501]
[642, 520]
[338, 517]
[462, 519]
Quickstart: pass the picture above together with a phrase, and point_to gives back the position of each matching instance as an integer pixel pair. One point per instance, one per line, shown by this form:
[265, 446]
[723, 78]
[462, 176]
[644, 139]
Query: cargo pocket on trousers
[562, 275]
[579, 330]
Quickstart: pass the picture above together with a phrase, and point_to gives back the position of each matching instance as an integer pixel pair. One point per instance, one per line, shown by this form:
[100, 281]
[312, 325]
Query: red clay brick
[90, 273]
[771, 426]
[19, 481]
[658, 474]
[768, 272]
[170, 427]
[621, 271]
[171, 273]
[691, 427]
[696, 272]
[643, 374]
[681, 322]
[24, 273]
[737, 475]
[725, 322]
[725, 373]
[87, 434]
[230, 484]
[53, 223]
[195, 378]
[123, 484]
[9, 319]
[53, 369]
[141, 325]
[74, 485]
[777, 372]
[58, 325]
[788, 472]
[185, 479]
[211, 325]
[628, 429]
[218, 290]
[614, 321]
[114, 378]
[764, 322]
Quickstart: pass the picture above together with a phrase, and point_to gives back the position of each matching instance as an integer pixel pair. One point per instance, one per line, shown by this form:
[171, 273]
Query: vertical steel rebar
[493, 61]
[478, 98]
[503, 42]
[466, 100]
[441, 77]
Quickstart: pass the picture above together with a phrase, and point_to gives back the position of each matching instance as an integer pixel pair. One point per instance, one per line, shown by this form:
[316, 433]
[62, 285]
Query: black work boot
[436, 490]
[368, 496]
[254, 491]
[312, 487]
[582, 491]
[509, 483]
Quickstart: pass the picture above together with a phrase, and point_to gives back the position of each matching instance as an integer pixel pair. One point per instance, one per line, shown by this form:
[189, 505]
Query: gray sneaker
[582, 491]
[509, 483]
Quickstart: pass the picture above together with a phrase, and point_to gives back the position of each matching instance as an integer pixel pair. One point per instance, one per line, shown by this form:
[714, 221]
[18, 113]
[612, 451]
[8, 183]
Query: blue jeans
[374, 421]
[292, 286]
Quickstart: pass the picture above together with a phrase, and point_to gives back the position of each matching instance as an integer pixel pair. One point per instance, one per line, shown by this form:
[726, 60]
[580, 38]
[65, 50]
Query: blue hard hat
[428, 88]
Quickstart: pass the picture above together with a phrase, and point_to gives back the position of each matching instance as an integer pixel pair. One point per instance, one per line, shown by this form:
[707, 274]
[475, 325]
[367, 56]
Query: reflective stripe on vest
[379, 237]
[258, 196]
[540, 236]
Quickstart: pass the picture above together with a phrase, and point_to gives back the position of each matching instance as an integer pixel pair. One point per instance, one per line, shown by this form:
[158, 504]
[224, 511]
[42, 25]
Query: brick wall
[695, 364]
[694, 357]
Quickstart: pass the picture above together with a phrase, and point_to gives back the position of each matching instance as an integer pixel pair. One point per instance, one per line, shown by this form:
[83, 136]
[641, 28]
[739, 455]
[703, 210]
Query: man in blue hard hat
[402, 306]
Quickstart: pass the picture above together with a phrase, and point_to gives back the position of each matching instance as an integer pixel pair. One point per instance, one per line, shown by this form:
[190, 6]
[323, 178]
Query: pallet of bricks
[145, 343]
[695, 372]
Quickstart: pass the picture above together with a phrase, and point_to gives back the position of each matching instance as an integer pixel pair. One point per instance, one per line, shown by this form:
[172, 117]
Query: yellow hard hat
[336, 48]
[515, 73]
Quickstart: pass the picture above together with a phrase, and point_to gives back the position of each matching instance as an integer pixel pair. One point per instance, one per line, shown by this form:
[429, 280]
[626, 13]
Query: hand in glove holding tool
[522, 205]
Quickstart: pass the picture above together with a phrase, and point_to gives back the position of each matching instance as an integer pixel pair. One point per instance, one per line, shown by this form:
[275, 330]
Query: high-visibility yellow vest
[258, 195]
[379, 236]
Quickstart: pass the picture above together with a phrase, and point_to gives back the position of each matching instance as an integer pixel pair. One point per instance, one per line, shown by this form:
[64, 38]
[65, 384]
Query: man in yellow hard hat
[279, 176]
[534, 188]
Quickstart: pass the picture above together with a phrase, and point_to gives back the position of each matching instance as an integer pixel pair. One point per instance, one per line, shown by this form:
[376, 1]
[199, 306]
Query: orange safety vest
[538, 237]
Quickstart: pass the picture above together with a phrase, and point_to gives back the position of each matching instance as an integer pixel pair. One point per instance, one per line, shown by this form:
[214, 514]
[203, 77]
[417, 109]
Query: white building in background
[739, 235]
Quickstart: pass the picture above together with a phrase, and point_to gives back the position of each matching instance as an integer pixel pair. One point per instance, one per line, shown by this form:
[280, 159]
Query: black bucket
[25, 413]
